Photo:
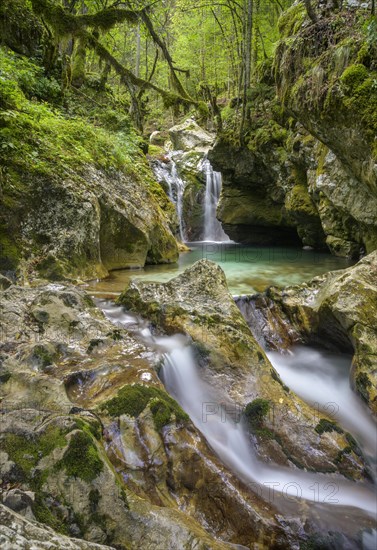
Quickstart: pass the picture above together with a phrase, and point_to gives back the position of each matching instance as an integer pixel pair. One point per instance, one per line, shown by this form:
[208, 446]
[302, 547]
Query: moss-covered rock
[78, 200]
[132, 400]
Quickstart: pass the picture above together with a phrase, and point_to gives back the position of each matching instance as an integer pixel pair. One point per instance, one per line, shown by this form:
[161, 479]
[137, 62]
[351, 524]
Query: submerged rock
[198, 303]
[338, 309]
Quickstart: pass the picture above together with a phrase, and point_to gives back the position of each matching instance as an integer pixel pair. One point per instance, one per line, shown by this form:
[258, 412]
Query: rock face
[338, 309]
[198, 303]
[83, 226]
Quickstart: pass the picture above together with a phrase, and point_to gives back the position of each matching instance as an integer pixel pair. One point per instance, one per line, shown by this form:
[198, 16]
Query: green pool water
[247, 268]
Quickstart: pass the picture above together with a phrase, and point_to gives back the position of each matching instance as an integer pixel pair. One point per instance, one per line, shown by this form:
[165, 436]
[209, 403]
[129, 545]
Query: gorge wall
[308, 169]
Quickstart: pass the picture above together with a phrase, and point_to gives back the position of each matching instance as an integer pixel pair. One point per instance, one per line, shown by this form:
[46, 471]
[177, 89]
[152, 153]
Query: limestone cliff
[309, 166]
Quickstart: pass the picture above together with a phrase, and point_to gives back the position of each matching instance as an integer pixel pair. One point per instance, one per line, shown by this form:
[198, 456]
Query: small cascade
[167, 172]
[213, 230]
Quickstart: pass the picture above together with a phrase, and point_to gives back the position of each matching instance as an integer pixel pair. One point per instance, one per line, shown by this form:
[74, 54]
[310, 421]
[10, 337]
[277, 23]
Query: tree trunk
[79, 62]
[310, 10]
[247, 65]
[138, 49]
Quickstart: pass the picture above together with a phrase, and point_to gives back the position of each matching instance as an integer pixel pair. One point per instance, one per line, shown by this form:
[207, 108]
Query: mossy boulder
[132, 400]
[78, 199]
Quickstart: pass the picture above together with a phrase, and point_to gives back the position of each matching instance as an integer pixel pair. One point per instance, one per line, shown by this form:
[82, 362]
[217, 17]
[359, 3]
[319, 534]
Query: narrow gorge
[188, 275]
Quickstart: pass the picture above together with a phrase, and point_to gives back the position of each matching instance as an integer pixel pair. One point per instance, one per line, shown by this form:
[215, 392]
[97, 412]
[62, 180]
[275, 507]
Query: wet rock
[20, 502]
[198, 303]
[18, 532]
[72, 458]
[338, 309]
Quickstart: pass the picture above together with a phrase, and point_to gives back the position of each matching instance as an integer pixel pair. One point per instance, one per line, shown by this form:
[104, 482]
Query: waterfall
[167, 172]
[213, 230]
[179, 188]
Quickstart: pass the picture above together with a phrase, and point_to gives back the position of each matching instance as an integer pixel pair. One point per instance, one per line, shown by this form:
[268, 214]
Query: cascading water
[231, 443]
[167, 172]
[213, 230]
[228, 437]
[322, 380]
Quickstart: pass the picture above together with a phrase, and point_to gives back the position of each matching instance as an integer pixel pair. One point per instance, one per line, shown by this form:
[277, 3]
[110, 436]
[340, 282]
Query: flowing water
[321, 379]
[326, 377]
[168, 174]
[213, 231]
[248, 269]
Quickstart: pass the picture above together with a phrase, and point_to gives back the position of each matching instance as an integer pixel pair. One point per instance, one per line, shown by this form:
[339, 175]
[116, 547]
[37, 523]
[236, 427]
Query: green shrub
[325, 425]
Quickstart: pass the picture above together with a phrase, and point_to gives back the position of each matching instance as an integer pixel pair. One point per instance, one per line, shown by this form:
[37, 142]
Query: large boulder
[189, 135]
[198, 303]
[338, 309]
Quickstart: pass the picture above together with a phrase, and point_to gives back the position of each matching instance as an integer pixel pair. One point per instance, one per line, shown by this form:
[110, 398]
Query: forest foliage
[154, 60]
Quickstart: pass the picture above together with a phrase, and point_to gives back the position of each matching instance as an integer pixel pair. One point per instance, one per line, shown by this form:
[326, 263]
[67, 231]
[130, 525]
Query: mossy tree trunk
[79, 62]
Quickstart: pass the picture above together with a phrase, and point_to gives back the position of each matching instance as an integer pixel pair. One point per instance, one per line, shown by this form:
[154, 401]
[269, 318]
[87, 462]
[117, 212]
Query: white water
[231, 443]
[228, 438]
[322, 380]
[213, 231]
[168, 173]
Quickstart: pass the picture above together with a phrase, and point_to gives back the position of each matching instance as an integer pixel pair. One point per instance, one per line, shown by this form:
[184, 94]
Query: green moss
[275, 376]
[42, 356]
[325, 425]
[291, 20]
[95, 342]
[256, 411]
[353, 444]
[45, 515]
[133, 399]
[298, 201]
[26, 452]
[94, 498]
[4, 376]
[92, 428]
[341, 454]
[353, 76]
[81, 459]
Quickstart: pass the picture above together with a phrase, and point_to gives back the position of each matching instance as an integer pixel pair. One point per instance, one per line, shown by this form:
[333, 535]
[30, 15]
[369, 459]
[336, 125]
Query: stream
[317, 377]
